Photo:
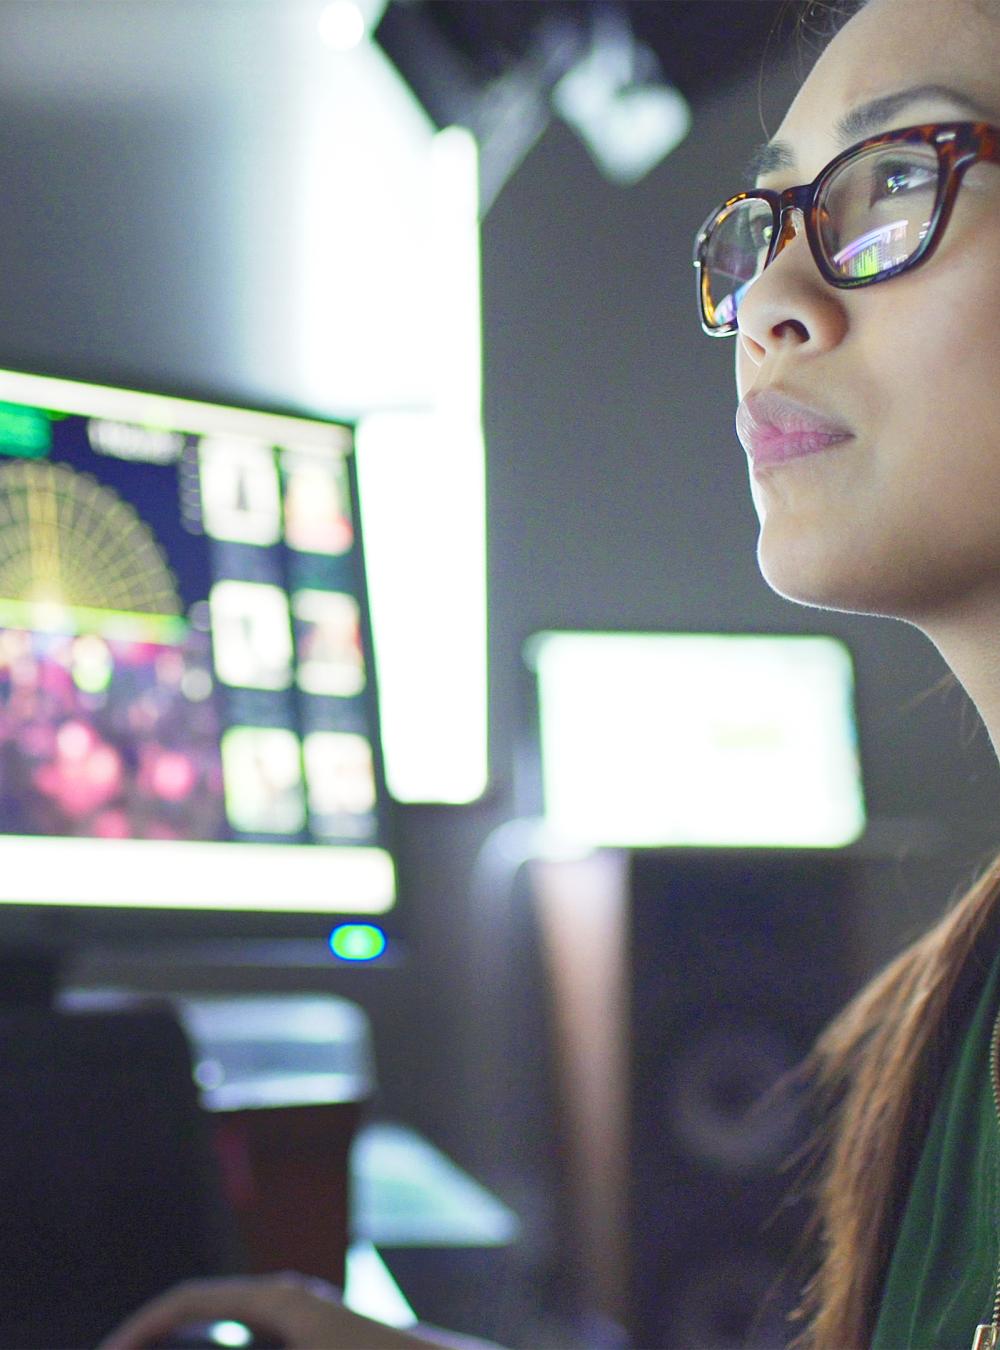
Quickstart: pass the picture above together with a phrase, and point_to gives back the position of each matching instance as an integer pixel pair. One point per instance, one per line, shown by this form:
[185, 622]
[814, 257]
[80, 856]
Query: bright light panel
[698, 740]
[422, 484]
[391, 329]
[196, 875]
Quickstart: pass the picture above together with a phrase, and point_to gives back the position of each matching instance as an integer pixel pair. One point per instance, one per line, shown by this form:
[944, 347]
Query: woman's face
[903, 519]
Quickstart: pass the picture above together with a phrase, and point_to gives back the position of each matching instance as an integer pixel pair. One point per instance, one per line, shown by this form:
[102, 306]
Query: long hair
[877, 1069]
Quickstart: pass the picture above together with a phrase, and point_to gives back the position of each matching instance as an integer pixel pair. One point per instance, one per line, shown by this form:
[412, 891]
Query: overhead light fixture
[617, 102]
[582, 63]
[344, 24]
[341, 25]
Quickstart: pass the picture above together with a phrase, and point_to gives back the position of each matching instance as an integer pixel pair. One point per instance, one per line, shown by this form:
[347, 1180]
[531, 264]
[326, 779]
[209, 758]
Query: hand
[301, 1313]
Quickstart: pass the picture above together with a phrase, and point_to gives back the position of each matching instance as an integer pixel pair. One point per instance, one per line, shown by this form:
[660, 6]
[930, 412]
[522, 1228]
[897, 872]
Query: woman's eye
[892, 180]
[760, 233]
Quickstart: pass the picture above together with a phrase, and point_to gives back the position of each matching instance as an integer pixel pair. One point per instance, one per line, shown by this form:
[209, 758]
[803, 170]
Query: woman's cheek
[744, 368]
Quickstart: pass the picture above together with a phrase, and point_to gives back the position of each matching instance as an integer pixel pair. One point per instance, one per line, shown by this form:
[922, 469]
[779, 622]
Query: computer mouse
[220, 1335]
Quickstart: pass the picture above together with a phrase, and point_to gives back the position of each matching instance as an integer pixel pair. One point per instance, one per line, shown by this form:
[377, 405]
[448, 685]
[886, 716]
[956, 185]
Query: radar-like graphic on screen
[67, 540]
[108, 726]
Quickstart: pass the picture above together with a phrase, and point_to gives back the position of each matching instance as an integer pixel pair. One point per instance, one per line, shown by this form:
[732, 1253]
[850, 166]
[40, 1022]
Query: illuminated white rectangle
[192, 875]
[422, 480]
[700, 740]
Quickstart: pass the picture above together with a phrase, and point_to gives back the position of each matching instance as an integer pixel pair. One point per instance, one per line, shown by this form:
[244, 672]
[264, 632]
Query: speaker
[736, 962]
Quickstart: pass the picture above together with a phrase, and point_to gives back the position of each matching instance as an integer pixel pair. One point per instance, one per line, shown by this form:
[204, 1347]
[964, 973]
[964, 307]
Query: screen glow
[698, 740]
[152, 874]
[341, 25]
[185, 716]
[422, 479]
[404, 263]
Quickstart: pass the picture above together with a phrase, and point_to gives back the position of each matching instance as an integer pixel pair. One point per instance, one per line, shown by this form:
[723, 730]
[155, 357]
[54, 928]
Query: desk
[284, 1081]
[405, 1193]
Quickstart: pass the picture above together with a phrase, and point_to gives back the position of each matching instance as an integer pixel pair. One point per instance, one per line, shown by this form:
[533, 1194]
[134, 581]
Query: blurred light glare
[706, 740]
[196, 685]
[232, 1334]
[357, 942]
[361, 290]
[209, 1074]
[617, 102]
[389, 334]
[422, 481]
[454, 322]
[342, 25]
[369, 1288]
[198, 874]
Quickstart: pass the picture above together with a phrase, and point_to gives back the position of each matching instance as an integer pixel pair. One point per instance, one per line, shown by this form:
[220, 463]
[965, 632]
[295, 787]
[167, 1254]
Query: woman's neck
[969, 640]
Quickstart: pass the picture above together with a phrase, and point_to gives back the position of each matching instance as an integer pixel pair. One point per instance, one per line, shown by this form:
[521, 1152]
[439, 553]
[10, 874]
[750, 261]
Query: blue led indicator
[357, 942]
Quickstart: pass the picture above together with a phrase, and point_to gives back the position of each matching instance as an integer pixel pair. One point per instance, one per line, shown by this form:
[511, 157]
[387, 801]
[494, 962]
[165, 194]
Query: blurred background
[464, 227]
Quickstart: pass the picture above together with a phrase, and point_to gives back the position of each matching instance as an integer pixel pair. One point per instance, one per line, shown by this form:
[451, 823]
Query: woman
[868, 367]
[886, 504]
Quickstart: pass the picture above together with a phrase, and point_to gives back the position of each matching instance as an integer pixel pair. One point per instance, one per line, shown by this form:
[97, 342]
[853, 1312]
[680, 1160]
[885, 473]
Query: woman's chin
[806, 578]
[895, 577]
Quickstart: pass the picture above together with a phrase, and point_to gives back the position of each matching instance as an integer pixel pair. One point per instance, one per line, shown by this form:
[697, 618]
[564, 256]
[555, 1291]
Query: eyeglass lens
[873, 213]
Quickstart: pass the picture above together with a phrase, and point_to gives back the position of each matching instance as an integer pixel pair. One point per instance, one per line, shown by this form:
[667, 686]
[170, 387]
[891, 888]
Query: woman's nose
[790, 303]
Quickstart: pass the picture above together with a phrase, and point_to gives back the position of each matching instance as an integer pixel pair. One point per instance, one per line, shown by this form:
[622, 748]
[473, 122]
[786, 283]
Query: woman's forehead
[892, 45]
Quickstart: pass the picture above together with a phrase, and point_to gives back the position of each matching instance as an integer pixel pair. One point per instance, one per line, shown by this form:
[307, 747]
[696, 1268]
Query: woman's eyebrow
[863, 121]
[767, 158]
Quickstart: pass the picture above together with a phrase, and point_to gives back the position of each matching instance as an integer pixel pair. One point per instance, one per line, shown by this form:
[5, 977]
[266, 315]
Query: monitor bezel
[205, 935]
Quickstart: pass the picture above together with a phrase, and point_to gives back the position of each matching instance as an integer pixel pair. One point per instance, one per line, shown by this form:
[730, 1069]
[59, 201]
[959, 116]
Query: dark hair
[877, 1069]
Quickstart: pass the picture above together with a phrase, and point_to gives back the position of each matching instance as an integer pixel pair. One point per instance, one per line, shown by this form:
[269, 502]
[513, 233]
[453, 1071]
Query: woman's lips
[774, 429]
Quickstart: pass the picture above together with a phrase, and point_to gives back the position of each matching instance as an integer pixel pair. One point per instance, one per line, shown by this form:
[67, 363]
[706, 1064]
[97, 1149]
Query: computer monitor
[698, 740]
[189, 734]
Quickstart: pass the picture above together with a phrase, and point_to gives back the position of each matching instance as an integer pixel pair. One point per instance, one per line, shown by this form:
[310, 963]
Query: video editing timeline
[183, 666]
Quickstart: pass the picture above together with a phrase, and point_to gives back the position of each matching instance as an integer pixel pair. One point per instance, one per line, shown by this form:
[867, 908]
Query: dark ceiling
[700, 43]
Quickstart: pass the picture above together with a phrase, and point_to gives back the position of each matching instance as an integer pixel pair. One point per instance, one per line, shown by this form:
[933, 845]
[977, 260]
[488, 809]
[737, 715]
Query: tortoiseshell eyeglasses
[875, 211]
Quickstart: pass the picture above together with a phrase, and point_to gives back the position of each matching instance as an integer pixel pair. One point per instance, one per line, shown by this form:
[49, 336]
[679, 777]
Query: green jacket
[942, 1278]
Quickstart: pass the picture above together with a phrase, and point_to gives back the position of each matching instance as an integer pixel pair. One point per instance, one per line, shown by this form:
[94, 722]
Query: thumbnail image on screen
[183, 661]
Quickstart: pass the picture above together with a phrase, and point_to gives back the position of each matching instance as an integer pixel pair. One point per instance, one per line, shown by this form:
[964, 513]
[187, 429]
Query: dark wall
[130, 237]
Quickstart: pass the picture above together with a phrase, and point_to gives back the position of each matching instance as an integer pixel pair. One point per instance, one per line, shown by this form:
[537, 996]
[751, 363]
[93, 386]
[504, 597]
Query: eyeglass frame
[958, 145]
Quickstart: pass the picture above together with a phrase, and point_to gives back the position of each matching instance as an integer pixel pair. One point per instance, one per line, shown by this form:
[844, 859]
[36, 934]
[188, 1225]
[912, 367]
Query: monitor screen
[188, 718]
[703, 740]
